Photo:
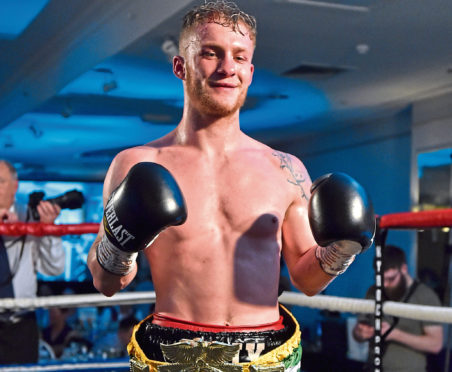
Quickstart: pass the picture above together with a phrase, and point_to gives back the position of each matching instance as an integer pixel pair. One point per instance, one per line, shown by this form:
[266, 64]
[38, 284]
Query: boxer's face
[8, 187]
[218, 68]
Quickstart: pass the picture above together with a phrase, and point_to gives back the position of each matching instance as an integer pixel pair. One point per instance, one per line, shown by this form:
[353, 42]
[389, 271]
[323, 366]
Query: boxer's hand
[7, 216]
[342, 221]
[147, 201]
[48, 211]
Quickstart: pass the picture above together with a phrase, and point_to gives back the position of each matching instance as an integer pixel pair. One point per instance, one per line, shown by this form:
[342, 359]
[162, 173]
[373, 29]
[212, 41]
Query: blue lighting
[279, 100]
[433, 159]
[15, 16]
[282, 101]
[150, 80]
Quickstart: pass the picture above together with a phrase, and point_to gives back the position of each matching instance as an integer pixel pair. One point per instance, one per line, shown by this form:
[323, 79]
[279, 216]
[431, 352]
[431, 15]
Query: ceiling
[82, 79]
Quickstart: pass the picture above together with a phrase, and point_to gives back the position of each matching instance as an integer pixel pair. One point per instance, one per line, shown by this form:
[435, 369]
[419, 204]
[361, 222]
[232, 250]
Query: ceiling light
[362, 48]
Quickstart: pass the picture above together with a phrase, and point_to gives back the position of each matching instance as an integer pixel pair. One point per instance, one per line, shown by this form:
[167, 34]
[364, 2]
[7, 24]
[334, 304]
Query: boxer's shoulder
[124, 161]
[127, 158]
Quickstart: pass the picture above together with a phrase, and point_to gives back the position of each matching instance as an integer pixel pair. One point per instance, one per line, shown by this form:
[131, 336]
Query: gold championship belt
[197, 355]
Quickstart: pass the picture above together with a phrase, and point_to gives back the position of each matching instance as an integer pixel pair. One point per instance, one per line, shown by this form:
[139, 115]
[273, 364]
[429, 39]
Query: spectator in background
[58, 334]
[125, 331]
[20, 259]
[114, 344]
[408, 341]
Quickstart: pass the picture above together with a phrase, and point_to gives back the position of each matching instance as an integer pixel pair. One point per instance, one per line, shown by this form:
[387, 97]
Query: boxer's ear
[179, 67]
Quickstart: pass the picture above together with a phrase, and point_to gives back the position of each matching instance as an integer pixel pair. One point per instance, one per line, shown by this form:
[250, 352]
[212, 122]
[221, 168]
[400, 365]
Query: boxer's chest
[236, 196]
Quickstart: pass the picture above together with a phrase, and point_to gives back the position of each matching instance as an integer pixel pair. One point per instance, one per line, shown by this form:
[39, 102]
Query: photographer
[21, 257]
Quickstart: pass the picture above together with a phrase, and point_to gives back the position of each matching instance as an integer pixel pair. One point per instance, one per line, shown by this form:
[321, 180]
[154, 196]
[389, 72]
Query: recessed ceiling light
[362, 48]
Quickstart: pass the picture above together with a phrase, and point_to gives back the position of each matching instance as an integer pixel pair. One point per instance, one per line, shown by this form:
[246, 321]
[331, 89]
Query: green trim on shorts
[294, 359]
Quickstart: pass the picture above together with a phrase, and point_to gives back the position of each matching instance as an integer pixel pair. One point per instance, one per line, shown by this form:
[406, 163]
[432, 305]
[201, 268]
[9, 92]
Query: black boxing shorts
[274, 347]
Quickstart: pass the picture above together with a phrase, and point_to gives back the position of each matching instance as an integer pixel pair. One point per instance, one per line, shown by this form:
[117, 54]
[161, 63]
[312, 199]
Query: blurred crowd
[87, 333]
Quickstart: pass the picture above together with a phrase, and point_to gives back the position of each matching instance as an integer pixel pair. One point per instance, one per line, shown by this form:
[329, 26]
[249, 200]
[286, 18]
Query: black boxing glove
[342, 220]
[146, 202]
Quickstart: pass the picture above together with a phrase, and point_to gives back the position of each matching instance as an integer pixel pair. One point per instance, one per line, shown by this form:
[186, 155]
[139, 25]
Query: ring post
[380, 237]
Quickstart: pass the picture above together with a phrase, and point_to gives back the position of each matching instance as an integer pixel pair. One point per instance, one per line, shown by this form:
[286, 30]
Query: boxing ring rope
[323, 302]
[408, 220]
[84, 300]
[404, 220]
[42, 229]
[417, 220]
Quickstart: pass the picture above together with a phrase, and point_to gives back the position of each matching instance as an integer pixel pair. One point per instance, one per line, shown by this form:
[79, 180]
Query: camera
[70, 200]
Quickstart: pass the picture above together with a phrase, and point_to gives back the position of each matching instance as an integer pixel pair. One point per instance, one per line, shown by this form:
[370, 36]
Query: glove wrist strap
[333, 260]
[113, 259]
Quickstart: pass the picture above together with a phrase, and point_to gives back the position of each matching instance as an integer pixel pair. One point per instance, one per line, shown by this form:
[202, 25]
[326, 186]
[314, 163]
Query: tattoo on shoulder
[296, 178]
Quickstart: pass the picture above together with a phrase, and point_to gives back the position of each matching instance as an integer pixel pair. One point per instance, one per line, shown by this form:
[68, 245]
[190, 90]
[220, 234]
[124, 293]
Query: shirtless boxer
[233, 206]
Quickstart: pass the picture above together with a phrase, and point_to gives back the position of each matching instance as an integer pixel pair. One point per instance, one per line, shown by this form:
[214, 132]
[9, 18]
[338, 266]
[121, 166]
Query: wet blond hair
[224, 13]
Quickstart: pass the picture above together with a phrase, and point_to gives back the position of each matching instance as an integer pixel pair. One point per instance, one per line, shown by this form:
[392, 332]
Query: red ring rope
[409, 220]
[41, 229]
[423, 219]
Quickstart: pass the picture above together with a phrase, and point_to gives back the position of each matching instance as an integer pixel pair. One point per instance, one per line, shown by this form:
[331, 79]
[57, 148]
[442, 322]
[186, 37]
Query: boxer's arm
[147, 201]
[298, 243]
[325, 227]
[103, 281]
[298, 248]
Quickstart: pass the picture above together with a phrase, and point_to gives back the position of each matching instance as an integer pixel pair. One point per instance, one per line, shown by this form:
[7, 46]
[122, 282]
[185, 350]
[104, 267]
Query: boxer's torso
[222, 265]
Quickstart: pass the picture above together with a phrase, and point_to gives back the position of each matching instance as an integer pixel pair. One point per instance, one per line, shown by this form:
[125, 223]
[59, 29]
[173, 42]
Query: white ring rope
[332, 303]
[84, 300]
[351, 305]
[419, 312]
